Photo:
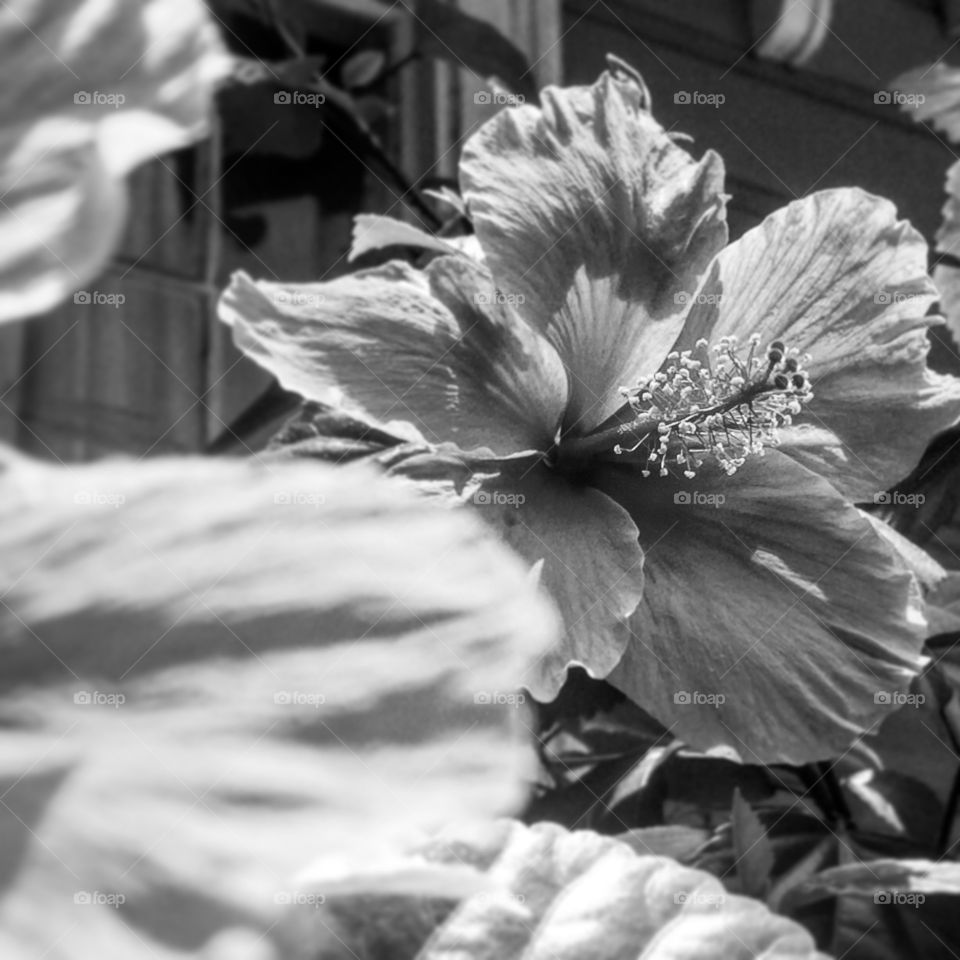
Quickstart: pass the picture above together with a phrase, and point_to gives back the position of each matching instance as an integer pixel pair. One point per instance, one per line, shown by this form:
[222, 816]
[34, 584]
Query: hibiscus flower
[678, 428]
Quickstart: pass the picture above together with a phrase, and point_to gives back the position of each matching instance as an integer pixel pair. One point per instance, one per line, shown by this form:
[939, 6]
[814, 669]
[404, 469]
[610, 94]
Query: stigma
[724, 404]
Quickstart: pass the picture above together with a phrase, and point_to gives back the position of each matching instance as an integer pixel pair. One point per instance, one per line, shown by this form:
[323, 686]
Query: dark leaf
[752, 847]
[448, 33]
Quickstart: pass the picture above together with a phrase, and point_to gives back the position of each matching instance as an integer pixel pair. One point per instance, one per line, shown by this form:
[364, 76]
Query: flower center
[728, 407]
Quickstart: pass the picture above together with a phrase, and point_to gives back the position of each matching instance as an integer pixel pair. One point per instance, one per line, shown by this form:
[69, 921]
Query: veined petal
[438, 349]
[588, 210]
[773, 614]
[839, 277]
[214, 673]
[592, 565]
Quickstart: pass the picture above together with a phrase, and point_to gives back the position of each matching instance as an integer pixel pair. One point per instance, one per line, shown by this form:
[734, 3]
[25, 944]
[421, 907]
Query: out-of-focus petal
[592, 565]
[214, 673]
[90, 90]
[588, 210]
[438, 349]
[838, 276]
[768, 590]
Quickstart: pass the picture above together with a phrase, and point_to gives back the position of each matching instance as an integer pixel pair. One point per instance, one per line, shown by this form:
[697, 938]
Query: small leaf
[754, 855]
[363, 68]
[450, 34]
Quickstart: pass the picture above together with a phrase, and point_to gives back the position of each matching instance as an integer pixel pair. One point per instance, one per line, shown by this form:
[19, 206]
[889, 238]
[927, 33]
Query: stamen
[728, 409]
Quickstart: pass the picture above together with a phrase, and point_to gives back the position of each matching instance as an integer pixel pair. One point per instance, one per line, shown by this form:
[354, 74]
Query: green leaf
[447, 33]
[562, 894]
[214, 674]
[754, 855]
[362, 68]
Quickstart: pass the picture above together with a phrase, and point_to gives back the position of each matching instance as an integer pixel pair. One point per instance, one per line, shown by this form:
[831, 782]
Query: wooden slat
[126, 378]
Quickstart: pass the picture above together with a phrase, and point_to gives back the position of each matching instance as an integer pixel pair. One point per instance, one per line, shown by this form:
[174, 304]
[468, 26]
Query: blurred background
[344, 106]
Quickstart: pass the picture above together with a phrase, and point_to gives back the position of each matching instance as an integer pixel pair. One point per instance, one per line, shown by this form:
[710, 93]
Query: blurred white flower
[89, 90]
